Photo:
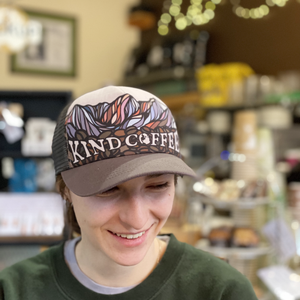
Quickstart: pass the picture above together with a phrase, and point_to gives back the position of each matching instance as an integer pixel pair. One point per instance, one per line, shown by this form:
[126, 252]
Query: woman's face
[121, 223]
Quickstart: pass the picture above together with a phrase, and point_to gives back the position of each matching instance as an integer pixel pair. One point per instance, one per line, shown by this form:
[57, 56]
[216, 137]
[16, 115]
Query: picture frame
[56, 54]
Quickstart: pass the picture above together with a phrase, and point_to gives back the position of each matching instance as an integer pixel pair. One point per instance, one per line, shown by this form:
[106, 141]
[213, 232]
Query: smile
[130, 236]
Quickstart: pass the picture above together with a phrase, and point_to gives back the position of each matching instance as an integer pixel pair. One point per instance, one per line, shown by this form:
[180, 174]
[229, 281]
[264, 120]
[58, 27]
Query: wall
[104, 41]
[269, 45]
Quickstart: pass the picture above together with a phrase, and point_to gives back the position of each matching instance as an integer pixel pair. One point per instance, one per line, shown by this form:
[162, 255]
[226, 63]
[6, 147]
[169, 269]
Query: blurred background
[230, 72]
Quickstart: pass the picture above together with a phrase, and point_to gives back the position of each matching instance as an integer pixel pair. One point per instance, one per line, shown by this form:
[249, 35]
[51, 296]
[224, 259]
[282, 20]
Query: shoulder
[205, 263]
[33, 278]
[35, 266]
[212, 274]
[195, 255]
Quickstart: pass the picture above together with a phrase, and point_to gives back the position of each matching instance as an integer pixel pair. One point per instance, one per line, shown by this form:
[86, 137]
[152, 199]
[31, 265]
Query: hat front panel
[123, 126]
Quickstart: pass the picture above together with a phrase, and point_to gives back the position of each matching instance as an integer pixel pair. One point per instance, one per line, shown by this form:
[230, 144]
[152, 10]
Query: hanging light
[17, 30]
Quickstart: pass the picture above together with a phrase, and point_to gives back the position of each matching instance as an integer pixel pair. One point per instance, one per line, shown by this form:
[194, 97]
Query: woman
[116, 155]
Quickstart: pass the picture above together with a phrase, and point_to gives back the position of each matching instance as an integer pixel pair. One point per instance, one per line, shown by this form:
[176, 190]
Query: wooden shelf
[159, 76]
[178, 101]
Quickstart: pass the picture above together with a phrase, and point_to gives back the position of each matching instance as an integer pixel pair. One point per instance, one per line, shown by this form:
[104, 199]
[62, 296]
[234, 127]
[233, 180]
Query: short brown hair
[72, 223]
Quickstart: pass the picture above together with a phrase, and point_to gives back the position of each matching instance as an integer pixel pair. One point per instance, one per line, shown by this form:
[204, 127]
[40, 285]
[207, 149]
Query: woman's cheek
[165, 208]
[170, 207]
[95, 215]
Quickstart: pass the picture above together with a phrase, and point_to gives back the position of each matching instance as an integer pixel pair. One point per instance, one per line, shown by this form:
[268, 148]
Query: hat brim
[100, 176]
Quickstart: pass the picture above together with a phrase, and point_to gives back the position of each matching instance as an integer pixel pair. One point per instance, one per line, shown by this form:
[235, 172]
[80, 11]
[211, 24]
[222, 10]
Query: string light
[201, 12]
[255, 12]
[163, 29]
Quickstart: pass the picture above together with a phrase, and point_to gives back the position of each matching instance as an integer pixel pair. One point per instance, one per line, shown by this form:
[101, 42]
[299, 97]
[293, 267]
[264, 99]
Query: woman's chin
[129, 260]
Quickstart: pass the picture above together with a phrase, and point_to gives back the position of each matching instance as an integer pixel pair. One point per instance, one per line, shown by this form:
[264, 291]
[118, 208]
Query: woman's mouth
[129, 236]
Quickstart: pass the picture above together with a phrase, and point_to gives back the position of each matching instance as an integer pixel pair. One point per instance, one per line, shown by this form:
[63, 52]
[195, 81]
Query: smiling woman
[119, 227]
[120, 196]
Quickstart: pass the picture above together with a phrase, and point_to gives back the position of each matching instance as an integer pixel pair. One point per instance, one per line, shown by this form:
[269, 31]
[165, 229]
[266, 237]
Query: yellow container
[215, 81]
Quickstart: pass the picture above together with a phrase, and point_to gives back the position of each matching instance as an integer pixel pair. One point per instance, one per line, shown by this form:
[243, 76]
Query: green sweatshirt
[184, 273]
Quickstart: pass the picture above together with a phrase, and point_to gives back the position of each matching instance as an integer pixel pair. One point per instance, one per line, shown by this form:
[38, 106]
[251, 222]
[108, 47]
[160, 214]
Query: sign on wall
[55, 54]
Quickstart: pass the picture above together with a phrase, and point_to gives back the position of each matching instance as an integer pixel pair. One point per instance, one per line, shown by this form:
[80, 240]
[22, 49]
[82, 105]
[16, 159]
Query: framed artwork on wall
[56, 54]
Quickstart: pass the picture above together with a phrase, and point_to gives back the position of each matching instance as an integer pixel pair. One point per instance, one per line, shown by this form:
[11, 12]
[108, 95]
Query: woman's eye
[159, 186]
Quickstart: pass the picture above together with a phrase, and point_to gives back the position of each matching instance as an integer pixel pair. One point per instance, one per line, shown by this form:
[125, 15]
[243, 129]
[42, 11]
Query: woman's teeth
[130, 236]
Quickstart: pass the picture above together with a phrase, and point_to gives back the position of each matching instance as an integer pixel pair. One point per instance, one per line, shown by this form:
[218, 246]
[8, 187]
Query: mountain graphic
[122, 113]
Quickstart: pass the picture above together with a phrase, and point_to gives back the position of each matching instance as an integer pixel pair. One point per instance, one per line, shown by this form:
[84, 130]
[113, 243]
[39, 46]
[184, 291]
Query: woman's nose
[134, 213]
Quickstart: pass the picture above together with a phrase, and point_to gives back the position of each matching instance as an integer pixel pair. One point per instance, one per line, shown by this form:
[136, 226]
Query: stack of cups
[265, 155]
[245, 144]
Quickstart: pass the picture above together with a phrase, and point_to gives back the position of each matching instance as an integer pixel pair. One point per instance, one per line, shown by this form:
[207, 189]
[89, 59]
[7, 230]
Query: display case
[248, 216]
[31, 212]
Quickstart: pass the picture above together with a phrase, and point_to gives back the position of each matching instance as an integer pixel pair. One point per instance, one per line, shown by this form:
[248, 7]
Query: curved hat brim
[102, 175]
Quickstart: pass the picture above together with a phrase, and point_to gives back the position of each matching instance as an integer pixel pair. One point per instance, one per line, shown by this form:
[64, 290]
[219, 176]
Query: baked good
[220, 236]
[244, 237]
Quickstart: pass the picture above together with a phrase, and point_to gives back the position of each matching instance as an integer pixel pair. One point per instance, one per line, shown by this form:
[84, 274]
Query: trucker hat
[112, 135]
